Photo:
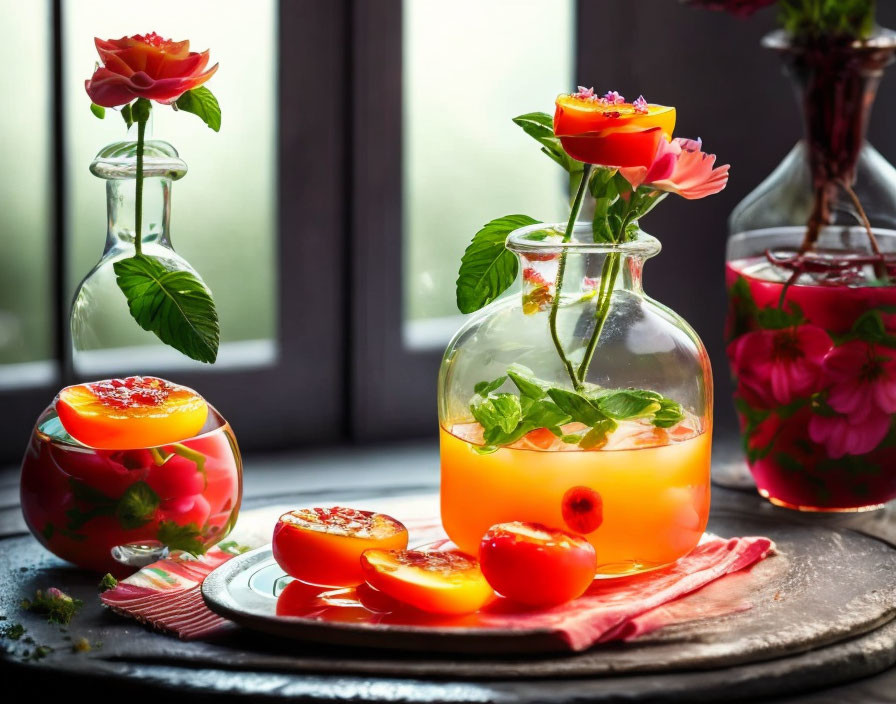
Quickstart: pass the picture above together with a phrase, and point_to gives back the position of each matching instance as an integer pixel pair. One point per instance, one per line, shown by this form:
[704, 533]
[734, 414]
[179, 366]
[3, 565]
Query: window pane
[469, 68]
[26, 214]
[223, 212]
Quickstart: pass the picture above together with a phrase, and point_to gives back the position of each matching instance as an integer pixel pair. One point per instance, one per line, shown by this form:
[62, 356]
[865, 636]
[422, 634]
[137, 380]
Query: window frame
[300, 398]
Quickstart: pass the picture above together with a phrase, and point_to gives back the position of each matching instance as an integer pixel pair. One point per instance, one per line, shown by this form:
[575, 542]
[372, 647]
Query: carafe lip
[521, 241]
[118, 161]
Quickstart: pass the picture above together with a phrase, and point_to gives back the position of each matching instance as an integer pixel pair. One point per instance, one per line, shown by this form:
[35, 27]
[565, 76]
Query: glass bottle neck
[836, 85]
[122, 213]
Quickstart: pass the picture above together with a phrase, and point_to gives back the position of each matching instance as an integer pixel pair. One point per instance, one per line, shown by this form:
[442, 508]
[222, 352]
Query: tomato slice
[448, 582]
[136, 412]
[535, 565]
[323, 546]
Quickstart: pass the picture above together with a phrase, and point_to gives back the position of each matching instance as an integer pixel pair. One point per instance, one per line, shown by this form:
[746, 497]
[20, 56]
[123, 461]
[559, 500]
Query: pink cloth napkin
[167, 596]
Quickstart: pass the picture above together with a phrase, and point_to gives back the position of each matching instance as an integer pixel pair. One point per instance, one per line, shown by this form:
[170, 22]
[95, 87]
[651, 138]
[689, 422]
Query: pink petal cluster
[776, 367]
[612, 98]
[862, 391]
[681, 167]
[585, 93]
[640, 105]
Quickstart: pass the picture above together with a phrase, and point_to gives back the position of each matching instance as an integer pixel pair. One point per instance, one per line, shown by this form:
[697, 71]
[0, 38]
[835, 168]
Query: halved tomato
[448, 582]
[136, 412]
[535, 565]
[323, 545]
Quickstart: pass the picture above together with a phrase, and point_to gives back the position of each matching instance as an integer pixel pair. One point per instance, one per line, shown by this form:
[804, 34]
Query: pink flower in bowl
[780, 366]
[862, 391]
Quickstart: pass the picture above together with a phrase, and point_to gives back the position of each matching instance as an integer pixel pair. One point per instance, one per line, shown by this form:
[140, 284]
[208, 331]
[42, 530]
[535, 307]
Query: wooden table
[319, 476]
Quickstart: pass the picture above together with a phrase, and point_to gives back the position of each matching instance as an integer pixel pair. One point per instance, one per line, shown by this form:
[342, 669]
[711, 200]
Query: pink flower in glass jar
[862, 379]
[780, 366]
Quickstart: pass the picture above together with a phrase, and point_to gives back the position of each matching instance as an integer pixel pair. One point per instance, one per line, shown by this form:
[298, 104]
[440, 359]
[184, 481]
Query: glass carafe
[105, 337]
[810, 279]
[639, 492]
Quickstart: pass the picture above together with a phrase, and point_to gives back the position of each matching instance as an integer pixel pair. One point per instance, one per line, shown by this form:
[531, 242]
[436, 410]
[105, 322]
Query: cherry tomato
[448, 582]
[323, 545]
[582, 509]
[535, 565]
[119, 414]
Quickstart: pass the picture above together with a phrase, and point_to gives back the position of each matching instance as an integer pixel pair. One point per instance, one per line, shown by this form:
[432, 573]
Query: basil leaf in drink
[172, 303]
[501, 411]
[669, 414]
[598, 435]
[526, 383]
[484, 388]
[629, 404]
[577, 407]
[487, 268]
[201, 102]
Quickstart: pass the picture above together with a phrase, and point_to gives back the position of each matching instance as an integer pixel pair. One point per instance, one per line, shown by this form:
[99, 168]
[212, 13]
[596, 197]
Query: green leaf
[177, 537]
[540, 126]
[127, 116]
[98, 110]
[501, 411]
[526, 382]
[484, 388]
[172, 303]
[545, 414]
[778, 318]
[136, 506]
[597, 436]
[577, 407]
[201, 102]
[488, 268]
[669, 414]
[629, 404]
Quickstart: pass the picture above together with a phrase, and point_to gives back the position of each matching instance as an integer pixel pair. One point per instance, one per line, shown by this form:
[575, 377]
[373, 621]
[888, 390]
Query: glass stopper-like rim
[119, 161]
[547, 238]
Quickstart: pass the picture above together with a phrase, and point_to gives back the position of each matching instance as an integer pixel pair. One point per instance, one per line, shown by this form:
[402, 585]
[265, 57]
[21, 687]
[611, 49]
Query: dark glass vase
[811, 275]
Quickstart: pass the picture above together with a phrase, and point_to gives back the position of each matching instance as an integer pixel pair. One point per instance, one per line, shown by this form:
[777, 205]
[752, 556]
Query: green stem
[561, 268]
[138, 201]
[609, 272]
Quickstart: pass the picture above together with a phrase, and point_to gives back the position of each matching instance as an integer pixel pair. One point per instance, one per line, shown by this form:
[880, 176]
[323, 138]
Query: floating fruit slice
[535, 565]
[448, 582]
[582, 509]
[139, 411]
[323, 545]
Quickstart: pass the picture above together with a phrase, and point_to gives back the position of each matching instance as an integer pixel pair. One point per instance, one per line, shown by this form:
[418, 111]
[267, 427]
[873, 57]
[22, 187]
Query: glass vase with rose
[583, 404]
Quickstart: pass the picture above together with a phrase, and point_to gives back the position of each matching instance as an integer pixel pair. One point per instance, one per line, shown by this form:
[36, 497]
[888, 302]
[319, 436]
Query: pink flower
[612, 98]
[841, 435]
[585, 93]
[780, 366]
[640, 105]
[862, 381]
[680, 167]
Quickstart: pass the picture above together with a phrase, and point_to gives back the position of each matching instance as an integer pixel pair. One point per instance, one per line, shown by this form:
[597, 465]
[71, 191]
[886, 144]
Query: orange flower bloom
[609, 131]
[146, 66]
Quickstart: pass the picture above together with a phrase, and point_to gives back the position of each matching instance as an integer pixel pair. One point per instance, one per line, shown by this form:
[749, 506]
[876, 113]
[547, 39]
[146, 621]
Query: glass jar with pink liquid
[812, 350]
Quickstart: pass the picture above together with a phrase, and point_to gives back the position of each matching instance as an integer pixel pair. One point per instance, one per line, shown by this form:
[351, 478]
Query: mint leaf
[577, 407]
[177, 537]
[202, 103]
[174, 304]
[484, 388]
[629, 404]
[487, 268]
[98, 110]
[544, 414]
[136, 506]
[127, 116]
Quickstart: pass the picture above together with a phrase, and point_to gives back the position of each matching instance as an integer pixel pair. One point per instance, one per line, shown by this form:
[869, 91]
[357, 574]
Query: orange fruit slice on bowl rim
[323, 546]
[130, 413]
[442, 582]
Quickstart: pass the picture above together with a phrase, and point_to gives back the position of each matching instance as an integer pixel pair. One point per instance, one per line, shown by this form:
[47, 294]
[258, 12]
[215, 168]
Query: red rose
[146, 66]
